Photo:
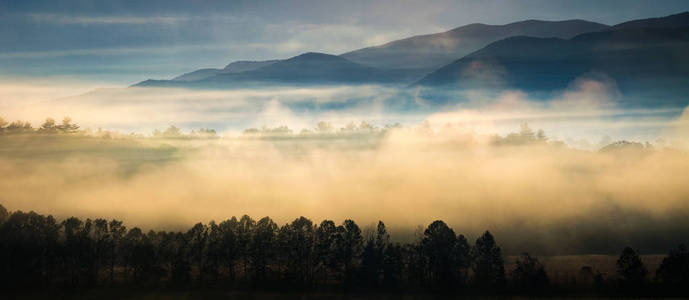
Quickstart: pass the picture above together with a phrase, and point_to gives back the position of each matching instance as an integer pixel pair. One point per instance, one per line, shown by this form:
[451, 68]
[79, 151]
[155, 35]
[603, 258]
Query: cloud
[131, 108]
[16, 92]
[108, 20]
[159, 50]
[588, 92]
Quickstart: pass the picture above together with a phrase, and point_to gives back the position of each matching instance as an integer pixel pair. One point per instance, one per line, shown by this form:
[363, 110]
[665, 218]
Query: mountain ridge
[554, 55]
[412, 72]
[309, 67]
[646, 63]
[670, 21]
[233, 67]
[431, 51]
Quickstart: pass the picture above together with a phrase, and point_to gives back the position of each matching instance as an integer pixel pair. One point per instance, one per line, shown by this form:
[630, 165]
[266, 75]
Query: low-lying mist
[534, 194]
[552, 192]
[587, 110]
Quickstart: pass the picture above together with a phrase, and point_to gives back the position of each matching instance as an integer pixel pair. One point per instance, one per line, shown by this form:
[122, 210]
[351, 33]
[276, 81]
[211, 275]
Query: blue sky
[124, 41]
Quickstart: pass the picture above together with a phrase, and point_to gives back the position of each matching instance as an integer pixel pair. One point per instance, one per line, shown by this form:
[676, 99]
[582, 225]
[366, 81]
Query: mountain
[234, 67]
[649, 62]
[246, 65]
[671, 21]
[307, 68]
[405, 60]
[434, 50]
[198, 74]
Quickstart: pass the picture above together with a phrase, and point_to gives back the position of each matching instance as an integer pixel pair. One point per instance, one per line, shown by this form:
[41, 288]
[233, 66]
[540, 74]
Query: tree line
[68, 127]
[48, 127]
[322, 130]
[39, 252]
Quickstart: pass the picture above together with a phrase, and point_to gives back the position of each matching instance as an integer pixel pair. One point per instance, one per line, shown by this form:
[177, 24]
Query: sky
[120, 42]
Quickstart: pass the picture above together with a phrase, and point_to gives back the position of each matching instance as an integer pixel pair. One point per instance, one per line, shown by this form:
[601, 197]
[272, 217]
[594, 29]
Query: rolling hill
[234, 67]
[646, 61]
[435, 50]
[307, 68]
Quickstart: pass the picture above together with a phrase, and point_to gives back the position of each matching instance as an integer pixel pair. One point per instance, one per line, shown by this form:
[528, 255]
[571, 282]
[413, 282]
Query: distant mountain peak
[672, 21]
[247, 65]
[315, 55]
[232, 68]
[197, 75]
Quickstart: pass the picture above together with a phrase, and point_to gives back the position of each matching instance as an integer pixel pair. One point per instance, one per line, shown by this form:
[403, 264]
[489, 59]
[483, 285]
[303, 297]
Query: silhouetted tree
[372, 257]
[244, 232]
[674, 270]
[139, 257]
[393, 266]
[368, 273]
[261, 248]
[229, 245]
[282, 241]
[50, 231]
[213, 253]
[38, 252]
[488, 265]
[197, 237]
[4, 214]
[631, 271]
[585, 277]
[462, 259]
[529, 275]
[22, 248]
[165, 252]
[599, 281]
[325, 236]
[117, 231]
[79, 250]
[415, 261]
[101, 238]
[180, 275]
[382, 236]
[152, 267]
[439, 249]
[348, 248]
[298, 239]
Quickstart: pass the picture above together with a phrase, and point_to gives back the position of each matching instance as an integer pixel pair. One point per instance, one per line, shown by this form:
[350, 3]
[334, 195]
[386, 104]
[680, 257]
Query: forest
[39, 252]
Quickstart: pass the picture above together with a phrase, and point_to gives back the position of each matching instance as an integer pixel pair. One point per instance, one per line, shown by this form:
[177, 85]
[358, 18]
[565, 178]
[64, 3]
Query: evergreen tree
[674, 270]
[631, 271]
[529, 275]
[488, 265]
[439, 249]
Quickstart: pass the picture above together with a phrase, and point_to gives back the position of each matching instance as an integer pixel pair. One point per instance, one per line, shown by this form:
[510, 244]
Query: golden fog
[539, 195]
[530, 192]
